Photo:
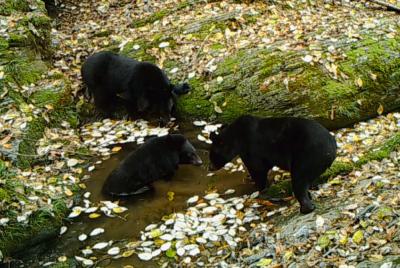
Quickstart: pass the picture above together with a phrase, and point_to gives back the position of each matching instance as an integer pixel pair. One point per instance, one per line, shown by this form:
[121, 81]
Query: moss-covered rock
[271, 82]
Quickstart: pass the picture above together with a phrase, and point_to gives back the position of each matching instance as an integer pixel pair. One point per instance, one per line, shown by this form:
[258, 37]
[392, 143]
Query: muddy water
[143, 209]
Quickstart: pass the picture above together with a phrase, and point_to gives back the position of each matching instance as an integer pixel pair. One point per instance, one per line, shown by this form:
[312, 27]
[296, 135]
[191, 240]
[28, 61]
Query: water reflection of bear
[158, 158]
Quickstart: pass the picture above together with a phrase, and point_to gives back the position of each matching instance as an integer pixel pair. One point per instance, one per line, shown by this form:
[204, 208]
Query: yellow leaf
[116, 149]
[264, 262]
[94, 215]
[358, 237]
[343, 240]
[68, 192]
[170, 196]
[380, 109]
[155, 233]
[359, 82]
[373, 76]
[119, 209]
[127, 253]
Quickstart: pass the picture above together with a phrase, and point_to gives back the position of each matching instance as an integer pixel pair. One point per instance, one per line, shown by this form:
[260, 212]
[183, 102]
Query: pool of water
[143, 209]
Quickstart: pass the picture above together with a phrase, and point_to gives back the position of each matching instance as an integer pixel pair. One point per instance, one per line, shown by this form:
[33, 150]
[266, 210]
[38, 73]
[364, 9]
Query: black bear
[301, 146]
[158, 158]
[142, 87]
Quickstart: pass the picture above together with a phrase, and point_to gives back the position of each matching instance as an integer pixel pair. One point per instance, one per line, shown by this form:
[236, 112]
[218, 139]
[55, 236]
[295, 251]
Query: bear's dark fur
[301, 146]
[158, 158]
[144, 88]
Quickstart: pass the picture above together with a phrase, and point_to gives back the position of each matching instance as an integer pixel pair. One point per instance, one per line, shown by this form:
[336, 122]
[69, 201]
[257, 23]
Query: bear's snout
[197, 161]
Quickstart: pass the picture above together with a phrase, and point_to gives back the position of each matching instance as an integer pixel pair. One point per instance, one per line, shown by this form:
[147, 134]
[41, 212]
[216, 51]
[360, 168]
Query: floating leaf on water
[199, 123]
[180, 251]
[119, 210]
[76, 211]
[82, 237]
[86, 262]
[156, 252]
[63, 230]
[97, 231]
[116, 149]
[127, 253]
[91, 210]
[155, 233]
[170, 253]
[193, 199]
[170, 196]
[113, 251]
[94, 215]
[167, 237]
[201, 138]
[209, 210]
[165, 246]
[145, 256]
[229, 191]
[100, 245]
[150, 227]
[211, 196]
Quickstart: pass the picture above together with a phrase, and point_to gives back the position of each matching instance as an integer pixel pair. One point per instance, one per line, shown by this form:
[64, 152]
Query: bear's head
[222, 151]
[187, 153]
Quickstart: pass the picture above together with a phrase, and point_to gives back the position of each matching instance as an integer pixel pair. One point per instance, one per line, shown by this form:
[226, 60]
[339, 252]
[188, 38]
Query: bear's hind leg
[300, 189]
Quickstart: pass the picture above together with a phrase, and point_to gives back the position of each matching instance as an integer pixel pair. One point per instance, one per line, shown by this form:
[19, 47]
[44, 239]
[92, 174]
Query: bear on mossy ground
[301, 146]
[142, 87]
[158, 158]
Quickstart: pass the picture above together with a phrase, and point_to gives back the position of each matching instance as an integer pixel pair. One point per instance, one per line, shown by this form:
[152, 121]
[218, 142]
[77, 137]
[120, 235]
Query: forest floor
[356, 224]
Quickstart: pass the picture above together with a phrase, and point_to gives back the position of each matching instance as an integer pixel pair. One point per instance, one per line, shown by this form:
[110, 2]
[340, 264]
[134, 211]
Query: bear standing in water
[301, 146]
[156, 159]
[141, 86]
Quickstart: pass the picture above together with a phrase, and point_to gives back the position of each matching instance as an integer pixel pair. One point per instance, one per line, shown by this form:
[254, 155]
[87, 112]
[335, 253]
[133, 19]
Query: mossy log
[271, 82]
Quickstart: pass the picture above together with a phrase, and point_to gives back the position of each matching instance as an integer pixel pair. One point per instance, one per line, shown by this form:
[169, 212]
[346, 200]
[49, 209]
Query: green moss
[25, 71]
[17, 40]
[7, 7]
[194, 103]
[27, 147]
[3, 43]
[250, 19]
[44, 223]
[159, 15]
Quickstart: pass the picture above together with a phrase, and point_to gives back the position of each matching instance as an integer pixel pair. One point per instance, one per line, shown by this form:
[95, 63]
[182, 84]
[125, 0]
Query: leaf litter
[339, 239]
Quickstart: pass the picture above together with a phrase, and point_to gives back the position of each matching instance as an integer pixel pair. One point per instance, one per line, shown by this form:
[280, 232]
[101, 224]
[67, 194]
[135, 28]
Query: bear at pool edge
[301, 146]
[158, 158]
[142, 87]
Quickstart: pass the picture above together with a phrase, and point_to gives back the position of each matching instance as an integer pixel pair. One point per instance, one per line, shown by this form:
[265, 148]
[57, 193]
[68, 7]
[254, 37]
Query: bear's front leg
[258, 172]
